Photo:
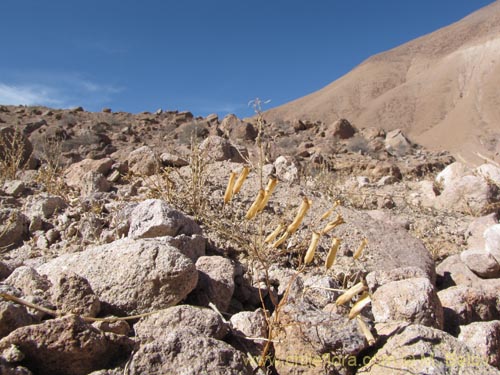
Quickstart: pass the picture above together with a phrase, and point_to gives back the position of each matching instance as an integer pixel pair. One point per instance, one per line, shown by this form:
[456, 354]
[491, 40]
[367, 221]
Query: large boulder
[13, 227]
[342, 129]
[492, 241]
[218, 149]
[131, 276]
[12, 316]
[67, 346]
[143, 161]
[397, 144]
[484, 339]
[187, 352]
[76, 172]
[418, 349]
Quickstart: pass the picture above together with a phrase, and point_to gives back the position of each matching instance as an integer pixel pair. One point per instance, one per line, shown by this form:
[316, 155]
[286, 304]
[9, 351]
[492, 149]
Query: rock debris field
[164, 243]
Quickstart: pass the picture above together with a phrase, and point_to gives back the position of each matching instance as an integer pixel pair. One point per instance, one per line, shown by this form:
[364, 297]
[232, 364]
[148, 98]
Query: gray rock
[424, 350]
[397, 144]
[14, 188]
[453, 271]
[412, 300]
[143, 161]
[489, 172]
[215, 282]
[72, 293]
[156, 218]
[342, 129]
[13, 227]
[187, 352]
[170, 160]
[316, 290]
[475, 231]
[93, 182]
[312, 341]
[67, 346]
[119, 327]
[29, 281]
[481, 263]
[45, 205]
[131, 276]
[492, 241]
[251, 324]
[204, 321]
[286, 169]
[74, 175]
[12, 316]
[464, 305]
[452, 174]
[219, 149]
[483, 338]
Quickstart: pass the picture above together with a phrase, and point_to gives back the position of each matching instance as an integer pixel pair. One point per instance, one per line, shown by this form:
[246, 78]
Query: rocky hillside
[161, 243]
[441, 89]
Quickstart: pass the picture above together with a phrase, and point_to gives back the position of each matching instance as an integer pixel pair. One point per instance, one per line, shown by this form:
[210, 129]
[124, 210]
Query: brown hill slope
[442, 89]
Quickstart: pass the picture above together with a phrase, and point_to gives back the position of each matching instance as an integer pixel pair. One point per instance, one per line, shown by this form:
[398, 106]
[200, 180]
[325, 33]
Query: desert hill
[440, 89]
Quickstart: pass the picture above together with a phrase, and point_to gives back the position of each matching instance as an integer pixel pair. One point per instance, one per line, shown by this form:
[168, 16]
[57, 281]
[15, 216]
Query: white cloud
[62, 91]
[28, 95]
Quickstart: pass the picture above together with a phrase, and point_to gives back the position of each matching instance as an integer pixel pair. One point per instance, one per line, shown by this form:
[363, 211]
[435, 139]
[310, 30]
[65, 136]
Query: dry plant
[12, 153]
[49, 174]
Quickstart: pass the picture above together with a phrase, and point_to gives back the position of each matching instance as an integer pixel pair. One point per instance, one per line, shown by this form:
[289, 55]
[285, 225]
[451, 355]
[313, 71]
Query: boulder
[464, 305]
[171, 160]
[14, 188]
[286, 169]
[397, 144]
[251, 324]
[412, 300]
[219, 149]
[475, 231]
[418, 349]
[452, 174]
[481, 263]
[193, 353]
[12, 316]
[342, 129]
[147, 274]
[13, 227]
[453, 271]
[75, 173]
[311, 341]
[143, 161]
[156, 218]
[215, 282]
[376, 279]
[204, 321]
[72, 294]
[45, 205]
[29, 281]
[234, 128]
[5, 271]
[492, 241]
[489, 172]
[67, 346]
[483, 338]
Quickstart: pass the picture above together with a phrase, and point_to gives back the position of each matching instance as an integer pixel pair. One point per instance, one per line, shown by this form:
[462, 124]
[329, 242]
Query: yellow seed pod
[327, 214]
[304, 207]
[332, 253]
[312, 247]
[271, 185]
[280, 240]
[350, 293]
[229, 189]
[359, 305]
[241, 179]
[361, 247]
[252, 211]
[333, 224]
[275, 233]
[365, 330]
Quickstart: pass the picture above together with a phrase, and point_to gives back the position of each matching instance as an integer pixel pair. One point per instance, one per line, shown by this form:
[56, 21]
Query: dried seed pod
[361, 247]
[304, 207]
[365, 330]
[280, 240]
[229, 189]
[333, 224]
[331, 210]
[359, 305]
[275, 233]
[350, 293]
[332, 253]
[252, 211]
[271, 185]
[312, 247]
[241, 179]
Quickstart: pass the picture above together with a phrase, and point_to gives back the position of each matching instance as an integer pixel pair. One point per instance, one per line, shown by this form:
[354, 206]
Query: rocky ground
[122, 252]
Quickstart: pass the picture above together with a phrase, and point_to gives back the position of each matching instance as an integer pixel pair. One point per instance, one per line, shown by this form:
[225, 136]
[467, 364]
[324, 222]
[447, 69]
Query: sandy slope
[443, 89]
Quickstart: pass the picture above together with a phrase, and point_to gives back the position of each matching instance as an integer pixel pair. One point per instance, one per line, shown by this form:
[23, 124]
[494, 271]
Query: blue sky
[198, 55]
